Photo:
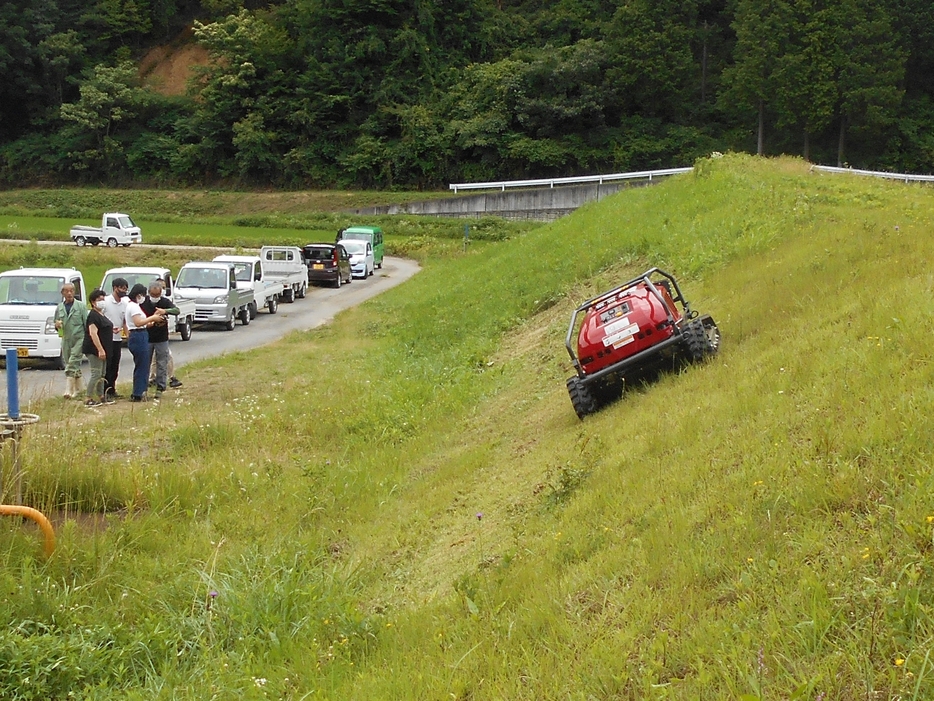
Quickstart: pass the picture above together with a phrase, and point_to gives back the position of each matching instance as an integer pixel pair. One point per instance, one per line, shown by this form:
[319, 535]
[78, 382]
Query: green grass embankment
[434, 522]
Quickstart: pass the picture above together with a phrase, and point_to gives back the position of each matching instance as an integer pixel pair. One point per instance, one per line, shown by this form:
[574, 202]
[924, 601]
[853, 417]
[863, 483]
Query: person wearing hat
[70, 316]
[138, 342]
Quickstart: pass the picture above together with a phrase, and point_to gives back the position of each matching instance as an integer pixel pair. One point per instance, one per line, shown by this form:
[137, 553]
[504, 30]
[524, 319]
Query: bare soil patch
[168, 68]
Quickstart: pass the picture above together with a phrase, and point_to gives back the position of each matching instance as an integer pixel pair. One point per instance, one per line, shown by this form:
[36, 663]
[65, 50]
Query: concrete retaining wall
[543, 204]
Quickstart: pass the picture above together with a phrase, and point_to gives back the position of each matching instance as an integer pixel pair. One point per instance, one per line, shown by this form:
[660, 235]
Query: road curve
[37, 381]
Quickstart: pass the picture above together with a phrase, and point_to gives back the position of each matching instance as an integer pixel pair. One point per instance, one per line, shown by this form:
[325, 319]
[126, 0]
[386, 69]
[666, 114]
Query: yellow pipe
[29, 512]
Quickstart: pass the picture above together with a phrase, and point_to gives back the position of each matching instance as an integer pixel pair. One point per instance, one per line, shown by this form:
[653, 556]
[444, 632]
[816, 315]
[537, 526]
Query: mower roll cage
[668, 282]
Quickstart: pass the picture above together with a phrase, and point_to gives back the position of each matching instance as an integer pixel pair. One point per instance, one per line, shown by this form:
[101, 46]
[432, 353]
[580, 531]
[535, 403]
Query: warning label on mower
[622, 336]
[619, 325]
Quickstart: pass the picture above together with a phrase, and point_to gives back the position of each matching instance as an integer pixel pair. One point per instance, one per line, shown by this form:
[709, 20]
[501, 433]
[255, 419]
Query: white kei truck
[28, 298]
[285, 265]
[180, 324]
[251, 275]
[117, 229]
[213, 287]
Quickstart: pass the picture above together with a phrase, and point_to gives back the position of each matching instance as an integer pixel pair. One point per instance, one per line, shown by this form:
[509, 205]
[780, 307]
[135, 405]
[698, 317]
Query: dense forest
[415, 93]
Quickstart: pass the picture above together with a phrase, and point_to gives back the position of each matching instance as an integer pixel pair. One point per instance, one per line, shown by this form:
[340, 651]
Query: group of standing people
[137, 315]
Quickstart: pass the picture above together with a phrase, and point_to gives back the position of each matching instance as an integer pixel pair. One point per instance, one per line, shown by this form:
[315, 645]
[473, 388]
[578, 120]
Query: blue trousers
[138, 343]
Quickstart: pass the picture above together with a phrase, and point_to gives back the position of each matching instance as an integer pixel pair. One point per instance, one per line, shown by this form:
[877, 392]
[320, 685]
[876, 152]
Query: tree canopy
[411, 93]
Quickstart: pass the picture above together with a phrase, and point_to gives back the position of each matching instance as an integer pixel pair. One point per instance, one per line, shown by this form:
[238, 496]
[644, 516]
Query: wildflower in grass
[259, 681]
[865, 553]
[899, 661]
[930, 519]
[479, 515]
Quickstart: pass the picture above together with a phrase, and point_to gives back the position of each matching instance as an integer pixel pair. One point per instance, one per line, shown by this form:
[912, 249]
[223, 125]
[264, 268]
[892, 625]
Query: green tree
[762, 28]
[870, 66]
[804, 75]
[654, 70]
[240, 125]
[110, 96]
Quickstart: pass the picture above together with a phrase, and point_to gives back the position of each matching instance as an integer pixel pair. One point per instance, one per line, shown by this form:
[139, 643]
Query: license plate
[22, 352]
[318, 266]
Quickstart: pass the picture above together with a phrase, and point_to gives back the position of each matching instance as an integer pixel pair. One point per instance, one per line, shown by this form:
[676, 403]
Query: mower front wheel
[713, 334]
[695, 338]
[581, 397]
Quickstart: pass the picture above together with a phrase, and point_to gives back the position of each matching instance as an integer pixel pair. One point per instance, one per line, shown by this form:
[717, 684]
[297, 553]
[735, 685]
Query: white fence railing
[553, 182]
[650, 174]
[907, 177]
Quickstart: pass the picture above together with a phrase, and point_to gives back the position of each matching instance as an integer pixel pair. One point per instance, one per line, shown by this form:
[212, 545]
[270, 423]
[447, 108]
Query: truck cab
[251, 275]
[182, 323]
[28, 298]
[213, 287]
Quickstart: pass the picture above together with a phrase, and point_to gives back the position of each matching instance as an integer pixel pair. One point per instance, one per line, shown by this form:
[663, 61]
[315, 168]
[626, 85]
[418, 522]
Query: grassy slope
[758, 525]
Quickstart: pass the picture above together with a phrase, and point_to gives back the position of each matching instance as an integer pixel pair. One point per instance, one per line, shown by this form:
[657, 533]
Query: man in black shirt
[159, 332]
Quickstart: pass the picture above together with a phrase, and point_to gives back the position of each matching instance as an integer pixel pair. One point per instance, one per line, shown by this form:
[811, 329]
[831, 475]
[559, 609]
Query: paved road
[37, 381]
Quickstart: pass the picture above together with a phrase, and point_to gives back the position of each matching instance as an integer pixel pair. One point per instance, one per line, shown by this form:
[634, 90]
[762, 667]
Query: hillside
[435, 522]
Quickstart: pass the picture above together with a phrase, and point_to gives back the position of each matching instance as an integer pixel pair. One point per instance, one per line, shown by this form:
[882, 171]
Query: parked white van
[28, 298]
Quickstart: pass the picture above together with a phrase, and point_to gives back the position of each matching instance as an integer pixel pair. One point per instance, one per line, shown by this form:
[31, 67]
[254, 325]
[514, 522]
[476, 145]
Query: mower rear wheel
[581, 398]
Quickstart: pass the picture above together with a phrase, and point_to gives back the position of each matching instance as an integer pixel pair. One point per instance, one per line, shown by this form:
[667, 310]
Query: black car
[327, 262]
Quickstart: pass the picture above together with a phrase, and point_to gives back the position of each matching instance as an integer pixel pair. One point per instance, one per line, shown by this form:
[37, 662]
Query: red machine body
[629, 334]
[623, 324]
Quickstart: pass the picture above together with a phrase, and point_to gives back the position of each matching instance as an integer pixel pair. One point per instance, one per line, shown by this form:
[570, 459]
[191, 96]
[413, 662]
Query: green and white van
[372, 234]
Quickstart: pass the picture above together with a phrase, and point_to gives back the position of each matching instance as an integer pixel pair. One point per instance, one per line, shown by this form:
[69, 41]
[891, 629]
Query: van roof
[133, 269]
[40, 272]
[362, 230]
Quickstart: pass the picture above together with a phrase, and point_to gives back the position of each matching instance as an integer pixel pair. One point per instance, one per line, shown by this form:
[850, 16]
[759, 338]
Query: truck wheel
[80, 240]
[229, 324]
[111, 242]
[581, 398]
[301, 291]
[273, 305]
[253, 310]
[695, 338]
[289, 296]
[184, 329]
[245, 315]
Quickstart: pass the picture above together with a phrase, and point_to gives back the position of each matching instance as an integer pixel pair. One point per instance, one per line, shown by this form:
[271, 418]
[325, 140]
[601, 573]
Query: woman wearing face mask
[98, 335]
[138, 342]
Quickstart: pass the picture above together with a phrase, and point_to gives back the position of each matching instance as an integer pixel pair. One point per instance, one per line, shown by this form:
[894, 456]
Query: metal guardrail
[906, 177]
[552, 182]
[649, 174]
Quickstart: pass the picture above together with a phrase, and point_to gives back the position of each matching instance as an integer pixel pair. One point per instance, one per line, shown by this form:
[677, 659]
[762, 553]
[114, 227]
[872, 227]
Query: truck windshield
[202, 278]
[31, 289]
[126, 222]
[244, 272]
[353, 246]
[132, 278]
